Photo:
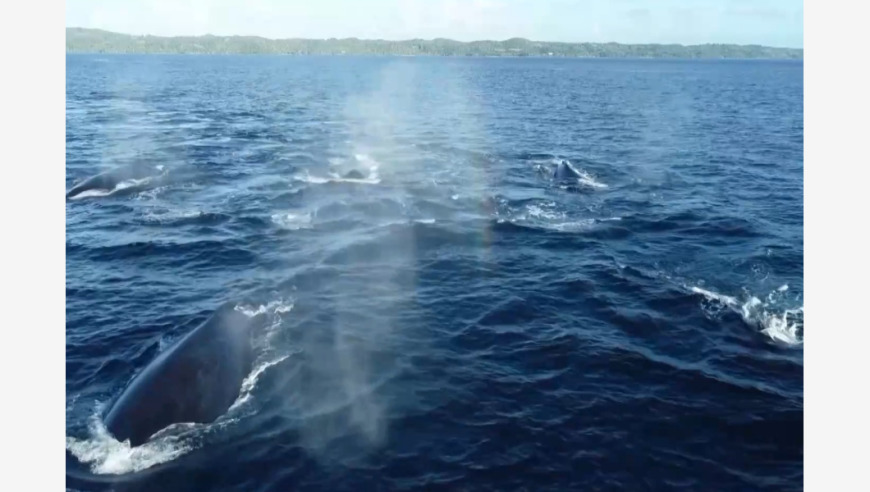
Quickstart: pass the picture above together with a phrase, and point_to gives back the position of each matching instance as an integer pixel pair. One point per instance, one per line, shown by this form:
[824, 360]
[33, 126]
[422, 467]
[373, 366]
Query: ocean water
[456, 318]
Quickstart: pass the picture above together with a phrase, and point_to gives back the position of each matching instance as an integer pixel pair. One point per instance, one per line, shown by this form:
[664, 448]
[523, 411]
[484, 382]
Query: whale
[195, 380]
[353, 174]
[128, 178]
[564, 171]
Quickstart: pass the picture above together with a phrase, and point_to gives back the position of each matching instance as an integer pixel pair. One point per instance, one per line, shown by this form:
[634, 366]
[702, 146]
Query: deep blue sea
[454, 318]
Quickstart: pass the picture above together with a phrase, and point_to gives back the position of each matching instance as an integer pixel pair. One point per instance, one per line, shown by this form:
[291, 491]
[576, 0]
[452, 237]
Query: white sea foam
[544, 211]
[308, 178]
[783, 325]
[573, 226]
[170, 215]
[581, 224]
[292, 221]
[588, 180]
[372, 179]
[268, 358]
[278, 306]
[250, 382]
[585, 178]
[336, 177]
[107, 455]
[713, 296]
[151, 194]
[275, 309]
[546, 215]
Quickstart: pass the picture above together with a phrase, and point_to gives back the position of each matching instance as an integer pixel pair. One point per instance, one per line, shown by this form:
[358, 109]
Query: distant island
[80, 40]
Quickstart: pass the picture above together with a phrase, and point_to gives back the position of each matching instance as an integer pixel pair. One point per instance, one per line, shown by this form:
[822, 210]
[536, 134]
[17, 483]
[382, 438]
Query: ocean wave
[204, 251]
[169, 216]
[547, 215]
[781, 324]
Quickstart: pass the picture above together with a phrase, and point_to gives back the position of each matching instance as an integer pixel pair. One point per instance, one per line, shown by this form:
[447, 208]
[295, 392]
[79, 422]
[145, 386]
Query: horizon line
[515, 38]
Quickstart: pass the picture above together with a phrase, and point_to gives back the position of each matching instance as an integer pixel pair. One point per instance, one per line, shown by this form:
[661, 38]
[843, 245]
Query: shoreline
[96, 41]
[389, 55]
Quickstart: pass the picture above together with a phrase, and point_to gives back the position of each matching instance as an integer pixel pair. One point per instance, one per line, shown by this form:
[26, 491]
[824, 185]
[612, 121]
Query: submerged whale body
[134, 176]
[354, 174]
[194, 381]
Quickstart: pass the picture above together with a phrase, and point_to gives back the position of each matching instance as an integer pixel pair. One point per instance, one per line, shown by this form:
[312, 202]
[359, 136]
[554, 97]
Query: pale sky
[766, 22]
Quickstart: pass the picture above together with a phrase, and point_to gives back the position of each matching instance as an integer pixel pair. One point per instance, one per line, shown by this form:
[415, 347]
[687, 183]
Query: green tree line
[79, 40]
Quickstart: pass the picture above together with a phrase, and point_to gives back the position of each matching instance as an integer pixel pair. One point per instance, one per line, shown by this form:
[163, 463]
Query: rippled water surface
[453, 318]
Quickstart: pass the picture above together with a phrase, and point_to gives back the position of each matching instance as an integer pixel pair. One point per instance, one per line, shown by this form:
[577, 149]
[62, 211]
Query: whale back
[103, 181]
[108, 180]
[354, 174]
[194, 381]
[564, 171]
